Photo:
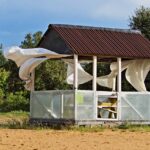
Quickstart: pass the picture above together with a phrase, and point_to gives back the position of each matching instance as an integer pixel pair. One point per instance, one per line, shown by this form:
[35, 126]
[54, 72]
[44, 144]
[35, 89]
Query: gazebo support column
[94, 73]
[75, 72]
[119, 88]
[75, 84]
[32, 79]
[119, 75]
[32, 89]
[95, 84]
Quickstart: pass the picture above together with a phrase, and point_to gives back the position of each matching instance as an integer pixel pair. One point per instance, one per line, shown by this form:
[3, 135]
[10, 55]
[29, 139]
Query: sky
[19, 17]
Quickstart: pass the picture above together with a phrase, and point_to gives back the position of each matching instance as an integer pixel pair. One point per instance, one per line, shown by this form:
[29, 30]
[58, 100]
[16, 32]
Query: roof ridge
[98, 28]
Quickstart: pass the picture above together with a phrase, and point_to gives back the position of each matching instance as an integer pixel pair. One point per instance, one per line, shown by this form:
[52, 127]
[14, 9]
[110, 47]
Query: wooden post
[95, 85]
[32, 80]
[75, 72]
[62, 105]
[119, 88]
[75, 84]
[119, 75]
[31, 91]
[94, 73]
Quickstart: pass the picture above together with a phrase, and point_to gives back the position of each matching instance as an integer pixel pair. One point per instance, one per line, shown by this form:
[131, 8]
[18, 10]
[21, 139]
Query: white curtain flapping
[28, 59]
[110, 79]
[27, 67]
[20, 55]
[136, 72]
[83, 76]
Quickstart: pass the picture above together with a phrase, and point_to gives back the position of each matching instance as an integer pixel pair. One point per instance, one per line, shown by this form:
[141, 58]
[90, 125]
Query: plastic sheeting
[83, 76]
[27, 67]
[28, 59]
[20, 55]
[110, 79]
[136, 72]
[135, 106]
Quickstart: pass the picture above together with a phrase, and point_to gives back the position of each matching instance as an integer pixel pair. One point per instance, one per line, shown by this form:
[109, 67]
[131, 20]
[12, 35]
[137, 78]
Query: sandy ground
[11, 139]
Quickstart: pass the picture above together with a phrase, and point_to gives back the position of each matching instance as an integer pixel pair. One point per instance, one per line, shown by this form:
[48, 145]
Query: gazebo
[125, 50]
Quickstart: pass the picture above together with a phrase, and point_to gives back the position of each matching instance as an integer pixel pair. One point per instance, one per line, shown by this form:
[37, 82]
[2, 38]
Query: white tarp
[136, 72]
[28, 59]
[20, 55]
[83, 76]
[27, 67]
[110, 79]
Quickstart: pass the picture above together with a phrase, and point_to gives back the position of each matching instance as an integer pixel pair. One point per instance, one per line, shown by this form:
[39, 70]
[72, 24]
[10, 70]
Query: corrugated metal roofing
[104, 41]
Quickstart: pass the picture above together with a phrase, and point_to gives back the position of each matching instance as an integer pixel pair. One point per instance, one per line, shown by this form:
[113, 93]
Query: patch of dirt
[18, 139]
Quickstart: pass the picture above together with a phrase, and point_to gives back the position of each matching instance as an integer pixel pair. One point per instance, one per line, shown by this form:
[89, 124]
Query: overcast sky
[18, 17]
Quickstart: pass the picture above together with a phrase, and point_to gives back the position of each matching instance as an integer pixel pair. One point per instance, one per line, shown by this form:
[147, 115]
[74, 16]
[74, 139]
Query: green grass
[14, 114]
[97, 128]
[20, 120]
[134, 128]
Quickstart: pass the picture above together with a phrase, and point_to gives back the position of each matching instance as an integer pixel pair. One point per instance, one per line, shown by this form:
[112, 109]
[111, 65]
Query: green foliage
[16, 101]
[31, 41]
[3, 83]
[3, 78]
[51, 75]
[141, 21]
[2, 59]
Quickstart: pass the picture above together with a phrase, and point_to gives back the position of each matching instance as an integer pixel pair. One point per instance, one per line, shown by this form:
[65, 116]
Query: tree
[31, 41]
[141, 21]
[2, 59]
[51, 75]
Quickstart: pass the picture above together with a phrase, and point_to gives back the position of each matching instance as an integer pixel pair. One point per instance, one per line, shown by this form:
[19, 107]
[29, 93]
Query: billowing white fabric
[110, 79]
[83, 76]
[136, 72]
[29, 65]
[20, 55]
[26, 69]
[28, 59]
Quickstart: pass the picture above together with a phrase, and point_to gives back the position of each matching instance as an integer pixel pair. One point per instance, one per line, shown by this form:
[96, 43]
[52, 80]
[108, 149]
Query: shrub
[16, 101]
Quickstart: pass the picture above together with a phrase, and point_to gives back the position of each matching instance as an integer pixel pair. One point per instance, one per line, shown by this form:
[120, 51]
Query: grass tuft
[20, 120]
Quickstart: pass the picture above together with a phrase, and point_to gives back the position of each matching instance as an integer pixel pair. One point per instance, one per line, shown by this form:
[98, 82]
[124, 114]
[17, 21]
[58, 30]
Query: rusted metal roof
[99, 41]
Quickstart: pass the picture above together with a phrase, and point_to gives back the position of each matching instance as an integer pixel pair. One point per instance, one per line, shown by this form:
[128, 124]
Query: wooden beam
[95, 84]
[75, 72]
[94, 73]
[33, 80]
[119, 87]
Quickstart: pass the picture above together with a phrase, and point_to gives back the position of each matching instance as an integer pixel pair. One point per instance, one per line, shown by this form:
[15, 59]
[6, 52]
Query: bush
[16, 101]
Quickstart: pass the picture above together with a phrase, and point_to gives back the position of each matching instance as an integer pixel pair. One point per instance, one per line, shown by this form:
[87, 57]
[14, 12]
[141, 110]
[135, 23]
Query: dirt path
[73, 140]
